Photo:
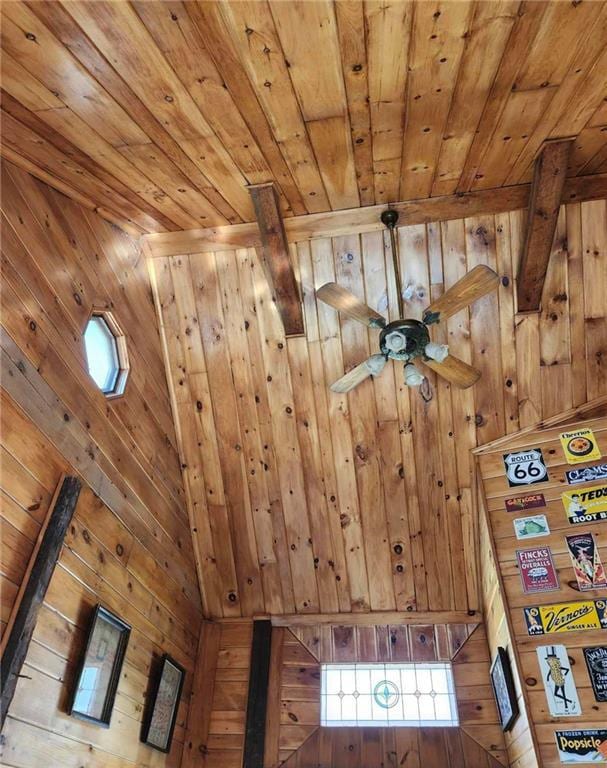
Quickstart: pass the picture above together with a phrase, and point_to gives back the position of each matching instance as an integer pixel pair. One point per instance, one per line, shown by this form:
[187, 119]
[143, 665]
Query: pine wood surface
[305, 501]
[297, 707]
[292, 725]
[505, 545]
[101, 561]
[159, 114]
[128, 545]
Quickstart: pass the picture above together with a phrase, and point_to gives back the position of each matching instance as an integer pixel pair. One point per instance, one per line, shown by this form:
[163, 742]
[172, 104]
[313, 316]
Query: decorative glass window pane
[407, 694]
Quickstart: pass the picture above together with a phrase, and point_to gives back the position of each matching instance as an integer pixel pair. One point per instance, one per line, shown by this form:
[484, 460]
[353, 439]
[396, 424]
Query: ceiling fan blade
[471, 287]
[456, 371]
[372, 366]
[347, 303]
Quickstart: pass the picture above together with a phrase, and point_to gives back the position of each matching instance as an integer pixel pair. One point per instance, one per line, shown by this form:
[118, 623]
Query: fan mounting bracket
[413, 337]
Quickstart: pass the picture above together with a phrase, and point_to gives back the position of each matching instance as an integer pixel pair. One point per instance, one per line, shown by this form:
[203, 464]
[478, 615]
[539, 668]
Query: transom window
[106, 357]
[408, 694]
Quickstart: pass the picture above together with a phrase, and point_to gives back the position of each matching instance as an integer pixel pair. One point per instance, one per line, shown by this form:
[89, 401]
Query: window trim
[122, 376]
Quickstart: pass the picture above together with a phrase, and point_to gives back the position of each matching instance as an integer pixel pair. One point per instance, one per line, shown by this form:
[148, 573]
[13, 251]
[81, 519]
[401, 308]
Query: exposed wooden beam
[358, 220]
[543, 212]
[276, 259]
[257, 701]
[33, 589]
[377, 617]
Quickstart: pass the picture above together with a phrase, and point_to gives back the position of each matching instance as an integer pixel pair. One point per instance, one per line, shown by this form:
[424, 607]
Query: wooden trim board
[358, 220]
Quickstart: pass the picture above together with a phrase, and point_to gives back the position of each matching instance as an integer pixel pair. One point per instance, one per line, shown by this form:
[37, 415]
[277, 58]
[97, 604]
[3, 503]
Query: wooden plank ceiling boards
[159, 114]
[306, 501]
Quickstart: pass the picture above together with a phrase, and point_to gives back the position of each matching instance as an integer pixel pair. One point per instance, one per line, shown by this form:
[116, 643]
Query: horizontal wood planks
[128, 545]
[305, 501]
[496, 490]
[101, 561]
[159, 116]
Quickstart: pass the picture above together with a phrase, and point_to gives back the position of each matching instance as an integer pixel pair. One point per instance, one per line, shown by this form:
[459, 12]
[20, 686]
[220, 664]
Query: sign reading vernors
[586, 474]
[587, 505]
[530, 501]
[588, 746]
[525, 467]
[566, 617]
[537, 570]
[579, 446]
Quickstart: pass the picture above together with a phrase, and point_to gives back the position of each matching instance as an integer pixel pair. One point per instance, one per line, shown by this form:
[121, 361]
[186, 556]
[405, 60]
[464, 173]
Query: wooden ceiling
[158, 114]
[302, 500]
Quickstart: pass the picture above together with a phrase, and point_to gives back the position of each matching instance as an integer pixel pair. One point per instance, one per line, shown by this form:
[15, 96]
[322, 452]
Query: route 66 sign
[525, 467]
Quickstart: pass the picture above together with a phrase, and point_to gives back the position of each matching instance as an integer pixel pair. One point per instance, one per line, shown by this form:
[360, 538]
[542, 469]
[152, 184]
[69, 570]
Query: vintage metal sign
[566, 617]
[559, 684]
[531, 527]
[525, 467]
[596, 661]
[579, 446]
[530, 501]
[537, 570]
[587, 746]
[586, 474]
[586, 505]
[586, 561]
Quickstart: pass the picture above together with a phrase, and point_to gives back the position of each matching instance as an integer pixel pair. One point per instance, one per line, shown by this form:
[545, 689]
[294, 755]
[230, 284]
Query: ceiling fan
[406, 339]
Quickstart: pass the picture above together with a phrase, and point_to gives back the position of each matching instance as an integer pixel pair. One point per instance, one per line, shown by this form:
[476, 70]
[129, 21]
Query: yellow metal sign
[586, 505]
[566, 617]
[580, 446]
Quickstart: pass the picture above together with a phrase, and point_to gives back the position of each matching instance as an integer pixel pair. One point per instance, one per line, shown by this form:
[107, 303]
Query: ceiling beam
[374, 618]
[543, 211]
[366, 219]
[275, 258]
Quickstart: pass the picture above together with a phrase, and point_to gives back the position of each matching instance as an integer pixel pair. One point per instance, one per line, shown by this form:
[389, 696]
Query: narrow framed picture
[503, 689]
[161, 714]
[100, 667]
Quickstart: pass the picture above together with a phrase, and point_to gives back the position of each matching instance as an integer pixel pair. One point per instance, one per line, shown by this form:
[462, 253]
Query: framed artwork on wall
[503, 689]
[99, 672]
[161, 714]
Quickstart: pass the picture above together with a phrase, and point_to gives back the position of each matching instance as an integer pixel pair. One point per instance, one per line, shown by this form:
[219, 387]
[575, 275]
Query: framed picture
[503, 689]
[99, 672]
[159, 721]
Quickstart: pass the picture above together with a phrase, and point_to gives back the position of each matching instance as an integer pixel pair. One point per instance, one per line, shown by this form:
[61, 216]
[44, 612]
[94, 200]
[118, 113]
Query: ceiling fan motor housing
[404, 339]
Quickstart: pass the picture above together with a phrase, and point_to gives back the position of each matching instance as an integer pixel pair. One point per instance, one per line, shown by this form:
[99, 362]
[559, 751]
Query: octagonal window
[106, 357]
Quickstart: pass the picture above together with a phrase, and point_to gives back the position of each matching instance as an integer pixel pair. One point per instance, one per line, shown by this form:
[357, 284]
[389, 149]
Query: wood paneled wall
[496, 490]
[293, 735]
[520, 745]
[294, 700]
[128, 546]
[305, 500]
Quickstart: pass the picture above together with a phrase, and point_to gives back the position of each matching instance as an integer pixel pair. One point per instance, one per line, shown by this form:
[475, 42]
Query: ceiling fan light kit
[413, 377]
[407, 339]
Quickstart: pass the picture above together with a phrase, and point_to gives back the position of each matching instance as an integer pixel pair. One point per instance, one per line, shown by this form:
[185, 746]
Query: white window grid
[412, 694]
